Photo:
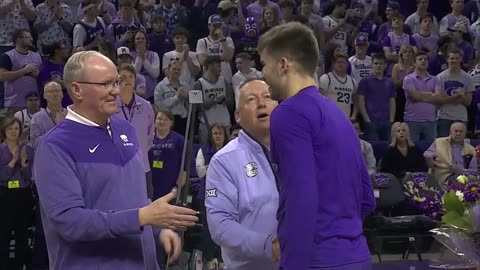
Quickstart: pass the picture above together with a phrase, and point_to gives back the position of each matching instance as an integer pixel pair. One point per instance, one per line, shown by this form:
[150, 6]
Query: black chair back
[421, 180]
[388, 191]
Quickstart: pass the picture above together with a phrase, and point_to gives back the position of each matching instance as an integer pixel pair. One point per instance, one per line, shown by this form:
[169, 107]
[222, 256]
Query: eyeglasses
[108, 85]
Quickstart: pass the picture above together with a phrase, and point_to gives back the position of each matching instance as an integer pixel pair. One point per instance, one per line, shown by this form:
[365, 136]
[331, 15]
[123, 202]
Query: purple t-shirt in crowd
[420, 111]
[426, 44]
[165, 158]
[377, 95]
[50, 71]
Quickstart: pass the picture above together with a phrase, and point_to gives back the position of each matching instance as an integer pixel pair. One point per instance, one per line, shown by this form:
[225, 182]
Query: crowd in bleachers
[404, 77]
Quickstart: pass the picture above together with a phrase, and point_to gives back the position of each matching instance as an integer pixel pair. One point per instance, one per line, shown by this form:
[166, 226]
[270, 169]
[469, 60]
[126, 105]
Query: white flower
[462, 179]
[459, 195]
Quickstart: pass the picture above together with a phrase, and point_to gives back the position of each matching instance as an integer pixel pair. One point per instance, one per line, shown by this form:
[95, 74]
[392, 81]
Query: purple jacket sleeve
[293, 149]
[221, 203]
[60, 192]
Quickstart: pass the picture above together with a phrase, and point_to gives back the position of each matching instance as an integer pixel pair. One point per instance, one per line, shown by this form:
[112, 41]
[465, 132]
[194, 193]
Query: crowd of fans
[401, 77]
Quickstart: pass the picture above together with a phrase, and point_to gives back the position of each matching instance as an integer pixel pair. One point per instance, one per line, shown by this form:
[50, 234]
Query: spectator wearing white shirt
[190, 67]
[245, 71]
[90, 29]
[170, 94]
[414, 20]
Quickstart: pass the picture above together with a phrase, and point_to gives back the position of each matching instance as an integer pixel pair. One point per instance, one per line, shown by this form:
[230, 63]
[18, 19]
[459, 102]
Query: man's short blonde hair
[294, 41]
[74, 69]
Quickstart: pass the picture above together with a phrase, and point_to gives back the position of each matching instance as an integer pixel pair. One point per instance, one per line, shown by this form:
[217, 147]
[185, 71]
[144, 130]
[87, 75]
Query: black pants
[15, 214]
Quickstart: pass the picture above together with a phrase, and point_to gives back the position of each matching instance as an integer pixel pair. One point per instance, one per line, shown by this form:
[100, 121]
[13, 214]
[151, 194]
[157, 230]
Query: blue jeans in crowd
[422, 131]
[443, 127]
[3, 49]
[377, 131]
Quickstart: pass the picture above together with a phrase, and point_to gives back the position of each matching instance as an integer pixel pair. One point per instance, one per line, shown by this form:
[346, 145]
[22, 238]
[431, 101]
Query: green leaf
[456, 220]
[453, 204]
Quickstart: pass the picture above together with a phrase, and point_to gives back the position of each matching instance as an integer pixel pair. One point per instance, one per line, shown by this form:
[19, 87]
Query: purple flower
[455, 186]
[472, 192]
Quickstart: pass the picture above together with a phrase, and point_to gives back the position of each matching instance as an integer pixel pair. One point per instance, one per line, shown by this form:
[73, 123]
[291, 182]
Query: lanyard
[131, 113]
[51, 118]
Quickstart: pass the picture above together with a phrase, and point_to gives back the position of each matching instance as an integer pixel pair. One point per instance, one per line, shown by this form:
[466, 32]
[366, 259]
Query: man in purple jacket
[325, 190]
[90, 178]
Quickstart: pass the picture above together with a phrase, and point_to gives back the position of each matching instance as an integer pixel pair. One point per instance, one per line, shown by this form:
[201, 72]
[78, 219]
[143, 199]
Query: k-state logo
[124, 138]
[251, 169]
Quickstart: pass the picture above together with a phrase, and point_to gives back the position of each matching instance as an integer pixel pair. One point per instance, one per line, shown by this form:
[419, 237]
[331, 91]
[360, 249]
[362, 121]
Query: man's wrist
[142, 216]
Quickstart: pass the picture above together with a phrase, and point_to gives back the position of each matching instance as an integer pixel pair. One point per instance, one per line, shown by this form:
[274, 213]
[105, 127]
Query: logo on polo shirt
[251, 169]
[211, 193]
[124, 138]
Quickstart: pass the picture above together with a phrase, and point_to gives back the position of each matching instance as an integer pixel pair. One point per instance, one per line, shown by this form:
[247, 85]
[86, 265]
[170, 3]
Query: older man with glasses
[91, 181]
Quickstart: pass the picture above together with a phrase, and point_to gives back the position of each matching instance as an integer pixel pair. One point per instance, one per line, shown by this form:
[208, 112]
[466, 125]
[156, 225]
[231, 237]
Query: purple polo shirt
[377, 94]
[89, 180]
[142, 117]
[420, 111]
[256, 10]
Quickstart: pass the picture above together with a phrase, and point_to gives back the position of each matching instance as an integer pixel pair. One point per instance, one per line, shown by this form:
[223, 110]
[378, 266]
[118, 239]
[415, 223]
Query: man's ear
[237, 117]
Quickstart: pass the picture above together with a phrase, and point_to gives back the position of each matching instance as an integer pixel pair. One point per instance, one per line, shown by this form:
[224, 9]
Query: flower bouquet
[458, 209]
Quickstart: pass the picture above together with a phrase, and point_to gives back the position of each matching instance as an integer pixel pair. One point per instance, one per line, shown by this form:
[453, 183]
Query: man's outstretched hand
[161, 213]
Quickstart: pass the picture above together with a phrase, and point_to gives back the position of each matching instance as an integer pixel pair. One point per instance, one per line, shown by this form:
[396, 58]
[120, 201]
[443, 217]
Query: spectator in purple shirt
[376, 101]
[424, 93]
[425, 40]
[123, 28]
[16, 201]
[89, 173]
[392, 9]
[51, 69]
[325, 192]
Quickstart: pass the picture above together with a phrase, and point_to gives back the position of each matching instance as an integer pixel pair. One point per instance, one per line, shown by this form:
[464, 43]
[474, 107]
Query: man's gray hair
[74, 69]
[246, 81]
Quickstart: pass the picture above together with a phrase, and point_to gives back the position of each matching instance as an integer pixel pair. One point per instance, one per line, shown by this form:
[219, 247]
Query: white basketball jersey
[340, 36]
[340, 90]
[360, 68]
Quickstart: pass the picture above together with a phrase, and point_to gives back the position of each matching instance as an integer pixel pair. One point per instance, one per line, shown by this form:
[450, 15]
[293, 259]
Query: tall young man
[325, 190]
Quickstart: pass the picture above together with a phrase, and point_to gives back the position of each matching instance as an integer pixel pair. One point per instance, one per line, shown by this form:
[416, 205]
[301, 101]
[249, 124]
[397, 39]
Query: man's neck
[56, 60]
[88, 114]
[245, 71]
[126, 19]
[378, 75]
[421, 72]
[90, 19]
[162, 134]
[360, 56]
[159, 33]
[54, 108]
[421, 12]
[397, 31]
[298, 83]
[425, 33]
[211, 77]
[262, 3]
[127, 96]
[179, 48]
[33, 110]
[340, 74]
[455, 70]
[456, 13]
[21, 49]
